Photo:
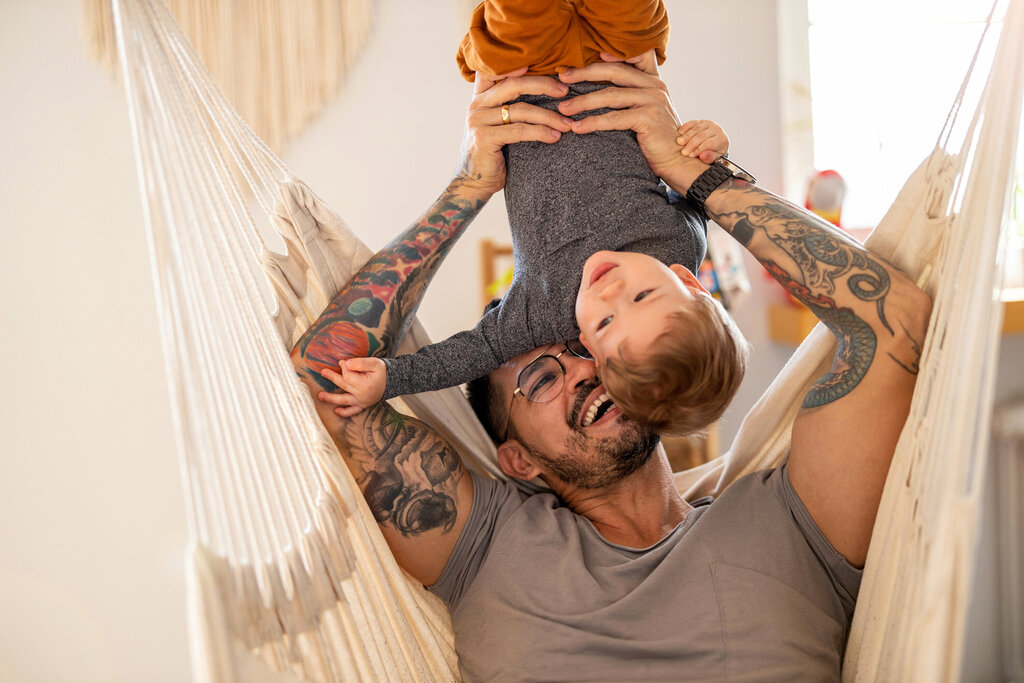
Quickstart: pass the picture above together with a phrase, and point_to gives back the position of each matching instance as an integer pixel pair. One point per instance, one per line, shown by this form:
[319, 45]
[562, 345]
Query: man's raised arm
[412, 480]
[846, 432]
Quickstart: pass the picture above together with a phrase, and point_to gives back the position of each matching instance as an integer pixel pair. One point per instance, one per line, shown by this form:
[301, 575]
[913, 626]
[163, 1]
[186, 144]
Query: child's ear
[516, 462]
[688, 278]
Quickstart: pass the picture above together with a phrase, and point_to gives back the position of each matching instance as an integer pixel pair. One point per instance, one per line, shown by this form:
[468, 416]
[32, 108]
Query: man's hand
[642, 104]
[362, 382]
[481, 164]
[647, 62]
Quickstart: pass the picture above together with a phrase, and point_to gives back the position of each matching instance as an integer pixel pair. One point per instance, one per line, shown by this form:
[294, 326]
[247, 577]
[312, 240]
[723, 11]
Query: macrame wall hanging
[278, 62]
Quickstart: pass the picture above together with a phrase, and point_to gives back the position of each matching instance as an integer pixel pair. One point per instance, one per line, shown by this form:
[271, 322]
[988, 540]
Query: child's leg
[550, 35]
[505, 35]
[623, 29]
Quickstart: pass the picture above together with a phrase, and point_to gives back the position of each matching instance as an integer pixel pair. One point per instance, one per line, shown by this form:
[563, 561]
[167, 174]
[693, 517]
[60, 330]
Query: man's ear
[516, 462]
[688, 279]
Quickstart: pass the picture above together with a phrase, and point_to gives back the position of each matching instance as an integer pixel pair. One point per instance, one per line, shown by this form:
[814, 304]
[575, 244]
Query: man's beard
[587, 462]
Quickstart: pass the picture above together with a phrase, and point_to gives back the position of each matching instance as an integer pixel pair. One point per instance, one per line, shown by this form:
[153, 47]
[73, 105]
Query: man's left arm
[846, 432]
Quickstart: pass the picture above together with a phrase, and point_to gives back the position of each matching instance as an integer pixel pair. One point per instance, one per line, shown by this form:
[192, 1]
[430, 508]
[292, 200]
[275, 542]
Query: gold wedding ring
[506, 118]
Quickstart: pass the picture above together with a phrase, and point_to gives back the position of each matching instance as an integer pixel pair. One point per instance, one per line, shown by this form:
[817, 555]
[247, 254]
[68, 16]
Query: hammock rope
[291, 578]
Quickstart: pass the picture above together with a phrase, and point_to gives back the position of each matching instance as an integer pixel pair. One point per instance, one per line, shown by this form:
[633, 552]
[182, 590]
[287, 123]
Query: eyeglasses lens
[542, 379]
[576, 348]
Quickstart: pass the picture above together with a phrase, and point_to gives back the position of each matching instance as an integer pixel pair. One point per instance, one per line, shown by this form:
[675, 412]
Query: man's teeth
[588, 419]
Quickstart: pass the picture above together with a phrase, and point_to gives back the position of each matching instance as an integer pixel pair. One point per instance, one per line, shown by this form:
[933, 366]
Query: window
[883, 76]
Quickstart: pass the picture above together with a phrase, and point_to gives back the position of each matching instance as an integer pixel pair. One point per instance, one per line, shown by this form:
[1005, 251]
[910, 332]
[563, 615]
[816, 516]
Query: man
[616, 576]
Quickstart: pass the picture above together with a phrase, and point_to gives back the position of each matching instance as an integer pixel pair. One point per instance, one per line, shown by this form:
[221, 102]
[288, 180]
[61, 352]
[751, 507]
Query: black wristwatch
[708, 181]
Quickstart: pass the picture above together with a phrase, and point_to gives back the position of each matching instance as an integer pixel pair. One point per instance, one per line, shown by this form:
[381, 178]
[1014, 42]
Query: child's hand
[361, 381]
[703, 139]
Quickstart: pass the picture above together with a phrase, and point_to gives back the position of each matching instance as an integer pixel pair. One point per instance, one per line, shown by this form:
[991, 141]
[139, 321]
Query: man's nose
[578, 373]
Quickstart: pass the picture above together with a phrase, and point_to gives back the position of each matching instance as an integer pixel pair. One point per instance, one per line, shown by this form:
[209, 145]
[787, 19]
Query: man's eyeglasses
[542, 379]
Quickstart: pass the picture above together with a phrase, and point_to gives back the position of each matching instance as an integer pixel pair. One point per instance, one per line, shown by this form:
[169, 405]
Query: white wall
[91, 514]
[91, 511]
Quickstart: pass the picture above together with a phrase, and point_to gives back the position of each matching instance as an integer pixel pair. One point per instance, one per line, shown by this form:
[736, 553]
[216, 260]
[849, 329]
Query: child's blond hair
[687, 377]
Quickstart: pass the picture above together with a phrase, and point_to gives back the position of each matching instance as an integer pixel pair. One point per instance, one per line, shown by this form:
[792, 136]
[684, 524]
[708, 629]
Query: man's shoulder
[502, 518]
[754, 489]
[761, 505]
[760, 523]
[522, 505]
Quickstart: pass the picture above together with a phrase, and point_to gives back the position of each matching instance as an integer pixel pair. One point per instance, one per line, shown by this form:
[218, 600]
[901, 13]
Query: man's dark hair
[483, 396]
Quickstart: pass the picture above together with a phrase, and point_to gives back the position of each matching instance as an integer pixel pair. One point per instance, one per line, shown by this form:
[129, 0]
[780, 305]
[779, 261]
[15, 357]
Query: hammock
[291, 578]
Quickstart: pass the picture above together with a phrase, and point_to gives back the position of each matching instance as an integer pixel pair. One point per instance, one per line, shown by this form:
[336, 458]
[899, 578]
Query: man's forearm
[373, 311]
[866, 302]
[871, 307]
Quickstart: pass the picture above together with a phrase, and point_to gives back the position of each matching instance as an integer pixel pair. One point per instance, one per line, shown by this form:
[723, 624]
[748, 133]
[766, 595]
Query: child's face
[625, 299]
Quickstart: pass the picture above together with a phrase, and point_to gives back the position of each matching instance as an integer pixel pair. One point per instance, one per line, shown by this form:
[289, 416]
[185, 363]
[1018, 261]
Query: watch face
[736, 170]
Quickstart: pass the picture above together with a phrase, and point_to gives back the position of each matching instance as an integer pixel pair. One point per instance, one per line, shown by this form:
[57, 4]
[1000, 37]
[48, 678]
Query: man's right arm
[413, 481]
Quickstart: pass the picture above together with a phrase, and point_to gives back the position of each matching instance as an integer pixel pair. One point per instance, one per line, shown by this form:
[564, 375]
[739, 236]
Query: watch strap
[706, 183]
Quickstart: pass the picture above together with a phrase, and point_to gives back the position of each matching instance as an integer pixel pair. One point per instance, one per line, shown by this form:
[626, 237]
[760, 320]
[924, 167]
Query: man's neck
[636, 512]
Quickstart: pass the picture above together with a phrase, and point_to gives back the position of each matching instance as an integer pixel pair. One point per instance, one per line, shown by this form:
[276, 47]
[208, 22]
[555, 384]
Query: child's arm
[448, 363]
[453, 361]
[703, 139]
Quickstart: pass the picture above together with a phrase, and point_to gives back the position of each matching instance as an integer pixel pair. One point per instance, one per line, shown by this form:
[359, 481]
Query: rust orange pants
[552, 35]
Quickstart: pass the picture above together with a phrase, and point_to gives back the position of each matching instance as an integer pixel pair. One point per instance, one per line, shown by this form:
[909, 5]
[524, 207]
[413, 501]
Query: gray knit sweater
[565, 201]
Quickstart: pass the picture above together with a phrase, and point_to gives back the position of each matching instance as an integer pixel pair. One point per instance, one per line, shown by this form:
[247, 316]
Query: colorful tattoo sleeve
[827, 272]
[407, 473]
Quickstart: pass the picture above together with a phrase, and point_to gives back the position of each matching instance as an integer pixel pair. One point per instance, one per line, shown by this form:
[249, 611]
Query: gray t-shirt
[745, 588]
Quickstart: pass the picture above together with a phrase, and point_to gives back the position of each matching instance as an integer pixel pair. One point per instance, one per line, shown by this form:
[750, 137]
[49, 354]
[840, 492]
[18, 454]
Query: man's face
[580, 436]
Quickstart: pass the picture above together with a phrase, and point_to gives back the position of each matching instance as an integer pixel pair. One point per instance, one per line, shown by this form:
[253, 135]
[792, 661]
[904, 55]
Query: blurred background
[92, 523]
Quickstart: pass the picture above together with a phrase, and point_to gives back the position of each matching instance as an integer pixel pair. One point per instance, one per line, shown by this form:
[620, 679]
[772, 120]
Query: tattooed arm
[846, 432]
[412, 480]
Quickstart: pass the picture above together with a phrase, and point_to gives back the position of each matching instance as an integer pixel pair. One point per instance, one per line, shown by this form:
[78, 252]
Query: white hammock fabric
[291, 577]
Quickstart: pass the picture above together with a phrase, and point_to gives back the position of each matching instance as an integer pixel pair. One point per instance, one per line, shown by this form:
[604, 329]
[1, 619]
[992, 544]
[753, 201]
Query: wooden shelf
[791, 323]
[1013, 310]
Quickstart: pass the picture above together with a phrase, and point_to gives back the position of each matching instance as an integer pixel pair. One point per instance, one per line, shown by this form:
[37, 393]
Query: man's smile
[593, 406]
